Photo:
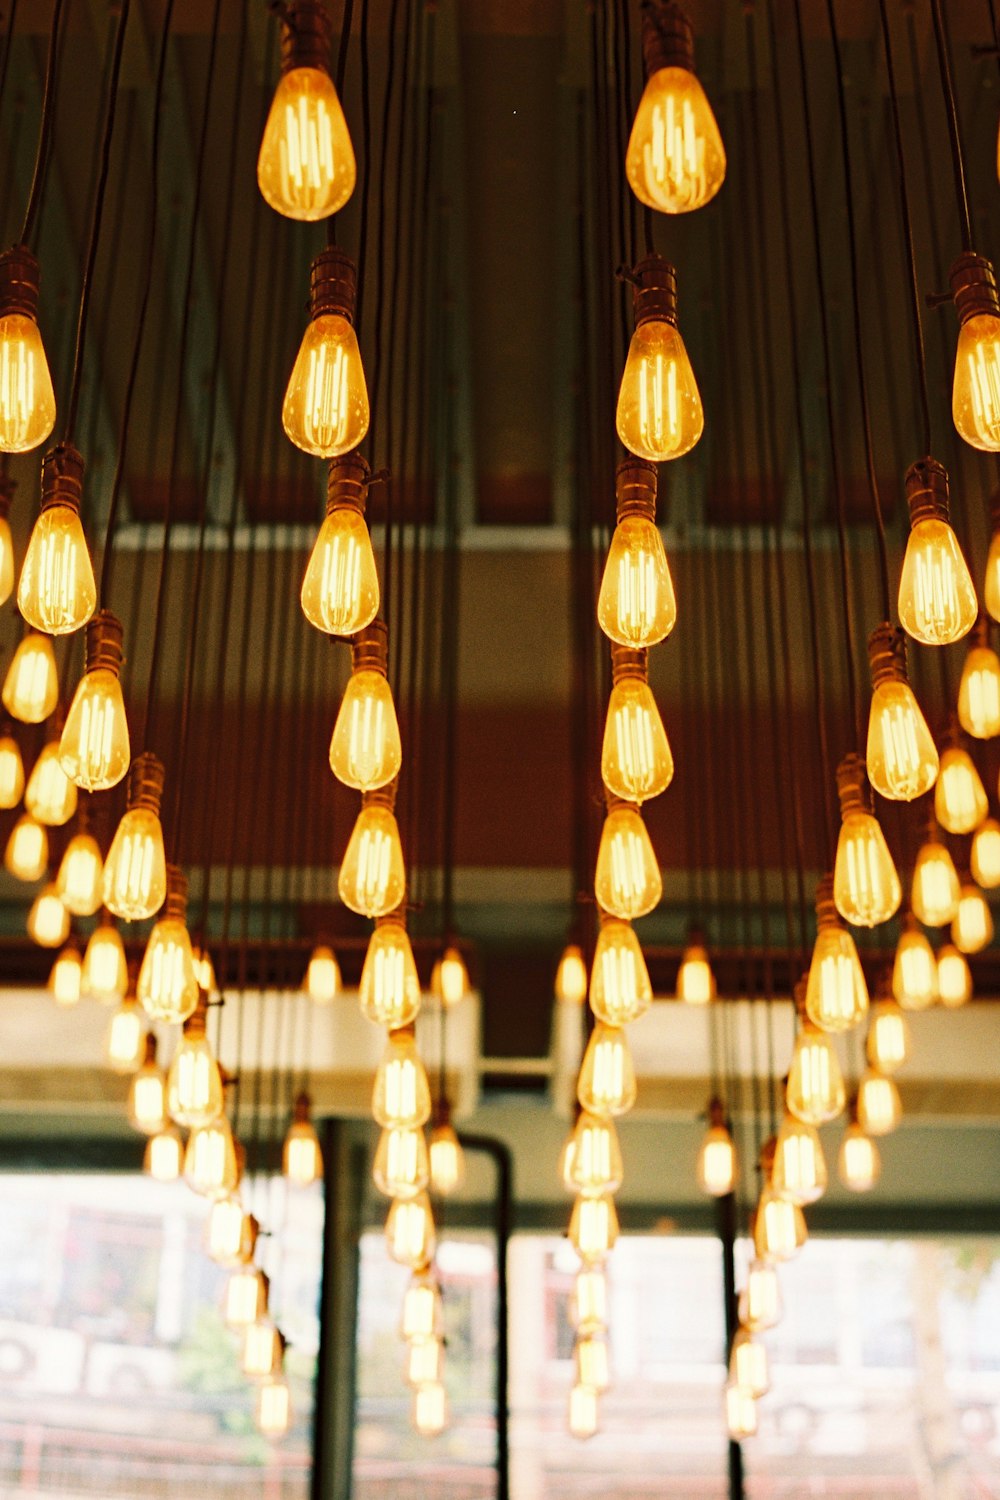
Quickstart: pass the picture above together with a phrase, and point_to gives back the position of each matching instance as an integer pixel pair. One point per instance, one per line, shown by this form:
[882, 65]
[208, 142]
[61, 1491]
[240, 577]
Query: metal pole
[503, 1161]
[726, 1228]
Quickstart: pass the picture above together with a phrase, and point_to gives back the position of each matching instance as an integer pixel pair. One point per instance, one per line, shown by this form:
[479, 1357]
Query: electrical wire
[954, 128]
[27, 235]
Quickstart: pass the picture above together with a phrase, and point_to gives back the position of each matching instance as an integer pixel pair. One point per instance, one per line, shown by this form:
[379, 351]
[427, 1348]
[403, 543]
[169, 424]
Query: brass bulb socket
[305, 35]
[19, 283]
[395, 918]
[382, 796]
[887, 654]
[240, 1152]
[301, 1108]
[8, 486]
[799, 994]
[83, 819]
[951, 734]
[826, 907]
[103, 646]
[442, 1111]
[370, 649]
[149, 1050]
[175, 906]
[635, 489]
[654, 291]
[132, 987]
[409, 1030]
[667, 37]
[62, 477]
[973, 287]
[926, 486]
[145, 782]
[333, 281]
[767, 1152]
[347, 480]
[852, 785]
[716, 1112]
[883, 985]
[612, 803]
[981, 630]
[195, 1025]
[628, 663]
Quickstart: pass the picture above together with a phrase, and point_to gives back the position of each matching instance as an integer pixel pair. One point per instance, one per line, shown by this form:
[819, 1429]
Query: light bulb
[105, 971]
[659, 414]
[858, 1161]
[430, 1409]
[779, 1229]
[79, 880]
[593, 1228]
[741, 1413]
[263, 1351]
[56, 592]
[748, 1364]
[695, 980]
[325, 411]
[50, 796]
[583, 1416]
[935, 891]
[27, 854]
[620, 989]
[305, 169]
[447, 1160]
[954, 978]
[401, 1095]
[836, 993]
[571, 976]
[402, 1166]
[366, 751]
[66, 977]
[606, 1085]
[147, 1096]
[888, 1040]
[675, 160]
[453, 977]
[717, 1154]
[168, 984]
[135, 876]
[246, 1297]
[389, 993]
[48, 919]
[985, 855]
[588, 1307]
[273, 1409]
[975, 394]
[799, 1170]
[937, 599]
[204, 969]
[878, 1106]
[11, 774]
[760, 1300]
[424, 1361]
[914, 972]
[901, 755]
[422, 1312]
[960, 801]
[636, 762]
[230, 1232]
[322, 981]
[592, 1365]
[409, 1231]
[211, 1164]
[372, 879]
[194, 1083]
[7, 487]
[991, 586]
[31, 687]
[27, 400]
[301, 1157]
[815, 1091]
[972, 929]
[163, 1159]
[627, 881]
[94, 750]
[979, 693]
[595, 1163]
[126, 1037]
[866, 888]
[636, 606]
[340, 595]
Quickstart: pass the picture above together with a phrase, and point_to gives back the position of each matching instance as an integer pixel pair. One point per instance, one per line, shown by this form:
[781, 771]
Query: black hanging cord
[380, 235]
[45, 129]
[8, 39]
[366, 167]
[954, 130]
[341, 71]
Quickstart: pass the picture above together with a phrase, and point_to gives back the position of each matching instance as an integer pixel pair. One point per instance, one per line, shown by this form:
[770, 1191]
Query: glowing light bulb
[163, 1159]
[979, 694]
[366, 751]
[147, 1096]
[372, 879]
[273, 1409]
[79, 880]
[595, 1163]
[695, 980]
[888, 1039]
[592, 1365]
[636, 762]
[168, 984]
[11, 774]
[954, 978]
[322, 981]
[325, 411]
[779, 1230]
[878, 1106]
[836, 993]
[447, 1160]
[94, 750]
[972, 929]
[263, 1351]
[583, 1416]
[126, 1037]
[799, 1170]
[135, 876]
[975, 395]
[409, 1231]
[760, 1300]
[914, 972]
[593, 1228]
[571, 976]
[27, 400]
[424, 1361]
[985, 856]
[935, 891]
[402, 1165]
[991, 586]
[211, 1165]
[741, 1413]
[902, 758]
[430, 1409]
[423, 1316]
[627, 881]
[7, 487]
[748, 1364]
[48, 919]
[675, 160]
[866, 887]
[858, 1161]
[717, 1154]
[390, 989]
[606, 1085]
[194, 1083]
[301, 1157]
[815, 1091]
[66, 977]
[26, 856]
[636, 606]
[31, 687]
[50, 796]
[401, 1095]
[452, 979]
[246, 1297]
[588, 1310]
[56, 592]
[659, 414]
[105, 971]
[960, 801]
[620, 989]
[230, 1232]
[937, 599]
[204, 969]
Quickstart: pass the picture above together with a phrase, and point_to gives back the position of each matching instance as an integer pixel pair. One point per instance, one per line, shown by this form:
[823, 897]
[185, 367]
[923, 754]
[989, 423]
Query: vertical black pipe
[726, 1228]
[502, 1160]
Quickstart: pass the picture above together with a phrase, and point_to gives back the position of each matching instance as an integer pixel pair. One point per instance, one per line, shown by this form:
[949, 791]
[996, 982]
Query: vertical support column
[503, 1220]
[726, 1229]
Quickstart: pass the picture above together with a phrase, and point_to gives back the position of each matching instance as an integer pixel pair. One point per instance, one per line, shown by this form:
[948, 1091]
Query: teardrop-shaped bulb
[94, 750]
[80, 878]
[409, 1231]
[979, 694]
[620, 988]
[593, 1228]
[27, 854]
[914, 970]
[660, 415]
[325, 411]
[675, 160]
[322, 981]
[57, 592]
[972, 929]
[935, 891]
[340, 590]
[695, 980]
[447, 1160]
[402, 1166]
[953, 977]
[50, 796]
[985, 855]
[66, 977]
[168, 985]
[636, 762]
[164, 1156]
[401, 1095]
[888, 1039]
[596, 1160]
[748, 1366]
[583, 1414]
[760, 1300]
[606, 1085]
[126, 1036]
[390, 989]
[937, 598]
[194, 1084]
[878, 1106]
[779, 1228]
[147, 1098]
[31, 687]
[105, 970]
[301, 1154]
[372, 879]
[636, 605]
[306, 168]
[866, 886]
[571, 976]
[858, 1161]
[48, 919]
[211, 1167]
[815, 1091]
[836, 993]
[901, 754]
[6, 560]
[366, 751]
[799, 1170]
[960, 801]
[991, 586]
[717, 1162]
[975, 395]
[12, 775]
[27, 400]
[627, 881]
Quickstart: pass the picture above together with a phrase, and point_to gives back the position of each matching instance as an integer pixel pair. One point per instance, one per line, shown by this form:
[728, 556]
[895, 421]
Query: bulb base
[62, 477]
[175, 906]
[305, 35]
[767, 1153]
[145, 782]
[302, 1108]
[392, 919]
[887, 654]
[196, 1024]
[973, 287]
[926, 485]
[635, 489]
[149, 1050]
[612, 802]
[654, 291]
[852, 785]
[370, 649]
[628, 663]
[716, 1112]
[667, 37]
[826, 908]
[8, 487]
[19, 283]
[382, 796]
[103, 645]
[333, 281]
[347, 480]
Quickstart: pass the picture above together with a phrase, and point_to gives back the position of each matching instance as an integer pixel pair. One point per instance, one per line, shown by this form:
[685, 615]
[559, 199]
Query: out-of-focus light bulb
[571, 976]
[858, 1161]
[606, 1085]
[991, 586]
[7, 488]
[94, 750]
[972, 929]
[695, 980]
[799, 1170]
[27, 854]
[325, 411]
[366, 751]
[322, 981]
[27, 400]
[135, 876]
[878, 1106]
[627, 881]
[888, 1039]
[583, 1415]
[389, 993]
[301, 1157]
[979, 693]
[230, 1232]
[126, 1036]
[975, 394]
[204, 970]
[211, 1164]
[914, 972]
[247, 1293]
[48, 919]
[402, 1165]
[50, 796]
[935, 891]
[866, 887]
[409, 1231]
[163, 1159]
[741, 1413]
[194, 1082]
[447, 1159]
[423, 1316]
[620, 988]
[453, 977]
[954, 978]
[424, 1361]
[595, 1163]
[836, 993]
[960, 801]
[11, 774]
[592, 1363]
[815, 1091]
[636, 606]
[31, 687]
[760, 1300]
[56, 592]
[748, 1364]
[636, 762]
[273, 1409]
[147, 1097]
[659, 414]
[79, 880]
[779, 1229]
[372, 879]
[985, 855]
[105, 970]
[263, 1351]
[937, 599]
[593, 1228]
[168, 985]
[588, 1309]
[901, 754]
[401, 1095]
[340, 595]
[717, 1154]
[430, 1409]
[66, 977]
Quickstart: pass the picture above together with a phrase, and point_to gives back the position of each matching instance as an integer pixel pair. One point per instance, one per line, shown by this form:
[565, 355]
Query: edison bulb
[985, 855]
[402, 1166]
[105, 971]
[636, 605]
[979, 694]
[660, 415]
[914, 971]
[27, 854]
[147, 1097]
[975, 396]
[163, 1159]
[991, 587]
[935, 891]
[815, 1091]
[366, 751]
[858, 1162]
[94, 750]
[741, 1413]
[422, 1311]
[866, 886]
[372, 879]
[263, 1351]
[246, 1297]
[937, 599]
[409, 1231]
[571, 976]
[760, 1300]
[588, 1309]
[960, 801]
[901, 754]
[27, 400]
[695, 980]
[606, 1085]
[424, 1361]
[211, 1166]
[168, 984]
[888, 1039]
[11, 774]
[748, 1364]
[447, 1160]
[135, 876]
[66, 977]
[230, 1232]
[301, 1156]
[620, 988]
[31, 687]
[322, 981]
[627, 882]
[48, 919]
[717, 1161]
[56, 592]
[80, 875]
[954, 978]
[799, 1170]
[836, 993]
[779, 1229]
[325, 411]
[595, 1164]
[583, 1416]
[6, 559]
[50, 796]
[453, 978]
[273, 1409]
[430, 1409]
[592, 1364]
[972, 929]
[340, 590]
[636, 762]
[593, 1228]
[401, 1095]
[306, 168]
[389, 993]
[194, 1083]
[675, 160]
[879, 1109]
[126, 1037]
